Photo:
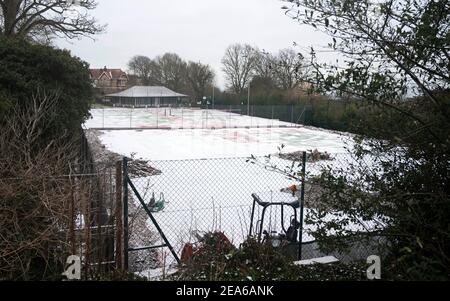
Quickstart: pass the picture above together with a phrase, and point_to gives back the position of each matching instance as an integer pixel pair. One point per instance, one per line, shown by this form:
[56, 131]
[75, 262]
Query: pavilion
[146, 96]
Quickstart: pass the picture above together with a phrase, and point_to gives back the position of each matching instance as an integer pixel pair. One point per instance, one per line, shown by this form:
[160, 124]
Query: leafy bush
[254, 261]
[26, 68]
[44, 98]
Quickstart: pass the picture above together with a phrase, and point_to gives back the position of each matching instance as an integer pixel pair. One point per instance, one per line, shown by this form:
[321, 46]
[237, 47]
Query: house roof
[110, 73]
[147, 91]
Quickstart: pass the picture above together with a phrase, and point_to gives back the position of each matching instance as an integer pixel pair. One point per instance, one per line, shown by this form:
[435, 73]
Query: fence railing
[74, 214]
[220, 117]
[188, 198]
[139, 216]
[192, 197]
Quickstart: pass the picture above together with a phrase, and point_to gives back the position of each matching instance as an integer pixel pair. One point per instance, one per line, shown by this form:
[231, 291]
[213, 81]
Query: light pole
[213, 96]
[248, 100]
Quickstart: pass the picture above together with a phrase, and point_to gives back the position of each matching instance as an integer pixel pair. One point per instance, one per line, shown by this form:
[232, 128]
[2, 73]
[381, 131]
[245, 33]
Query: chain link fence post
[125, 214]
[302, 205]
[118, 215]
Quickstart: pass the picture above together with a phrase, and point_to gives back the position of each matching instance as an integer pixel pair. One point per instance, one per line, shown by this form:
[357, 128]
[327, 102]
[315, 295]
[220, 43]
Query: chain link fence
[328, 114]
[102, 218]
[191, 197]
[339, 188]
[220, 117]
[60, 216]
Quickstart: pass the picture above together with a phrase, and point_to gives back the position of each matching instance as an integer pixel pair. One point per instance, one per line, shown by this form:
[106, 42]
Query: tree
[238, 64]
[199, 77]
[25, 67]
[265, 65]
[393, 49]
[143, 67]
[170, 71]
[44, 19]
[46, 95]
[288, 68]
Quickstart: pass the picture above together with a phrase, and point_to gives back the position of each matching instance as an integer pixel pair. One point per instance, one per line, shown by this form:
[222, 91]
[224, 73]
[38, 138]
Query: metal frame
[265, 205]
[127, 182]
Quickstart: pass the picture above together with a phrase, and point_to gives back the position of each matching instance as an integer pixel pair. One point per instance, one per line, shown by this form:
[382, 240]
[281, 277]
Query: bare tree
[170, 71]
[143, 67]
[265, 65]
[238, 64]
[199, 77]
[44, 19]
[394, 47]
[288, 69]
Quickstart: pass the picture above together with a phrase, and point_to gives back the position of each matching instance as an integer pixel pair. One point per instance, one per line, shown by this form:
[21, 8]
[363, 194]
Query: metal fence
[94, 229]
[171, 203]
[75, 214]
[219, 117]
[191, 197]
[138, 215]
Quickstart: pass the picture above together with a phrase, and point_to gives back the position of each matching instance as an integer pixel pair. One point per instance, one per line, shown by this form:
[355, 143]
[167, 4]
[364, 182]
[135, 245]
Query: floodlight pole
[248, 100]
[213, 97]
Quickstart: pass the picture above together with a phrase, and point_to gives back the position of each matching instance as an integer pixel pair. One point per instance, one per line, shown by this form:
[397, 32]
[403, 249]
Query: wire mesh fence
[192, 197]
[188, 198]
[219, 117]
[339, 188]
[103, 220]
[60, 216]
[95, 216]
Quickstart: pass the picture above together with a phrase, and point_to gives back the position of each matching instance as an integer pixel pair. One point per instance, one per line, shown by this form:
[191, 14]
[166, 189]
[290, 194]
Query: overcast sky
[198, 30]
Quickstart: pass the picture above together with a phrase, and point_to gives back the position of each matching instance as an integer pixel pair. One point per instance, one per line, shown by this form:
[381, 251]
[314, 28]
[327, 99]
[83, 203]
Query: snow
[213, 194]
[159, 274]
[175, 118]
[216, 195]
[322, 260]
[223, 143]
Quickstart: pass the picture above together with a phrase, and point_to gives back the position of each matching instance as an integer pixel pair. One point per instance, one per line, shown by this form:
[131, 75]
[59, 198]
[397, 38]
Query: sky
[197, 30]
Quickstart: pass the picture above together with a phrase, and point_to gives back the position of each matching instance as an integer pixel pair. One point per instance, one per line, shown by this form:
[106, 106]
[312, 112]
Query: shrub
[256, 261]
[26, 68]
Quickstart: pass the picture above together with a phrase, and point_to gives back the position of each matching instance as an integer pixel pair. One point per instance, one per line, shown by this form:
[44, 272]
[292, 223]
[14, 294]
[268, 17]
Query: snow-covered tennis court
[206, 134]
[177, 118]
[205, 178]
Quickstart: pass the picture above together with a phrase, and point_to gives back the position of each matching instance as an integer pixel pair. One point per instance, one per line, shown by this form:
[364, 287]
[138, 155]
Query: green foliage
[45, 96]
[25, 68]
[407, 193]
[392, 49]
[258, 262]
